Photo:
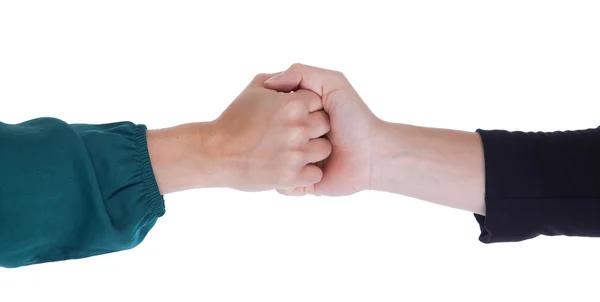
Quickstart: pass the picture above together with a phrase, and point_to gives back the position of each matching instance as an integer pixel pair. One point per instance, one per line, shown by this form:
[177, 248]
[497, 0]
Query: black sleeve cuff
[540, 183]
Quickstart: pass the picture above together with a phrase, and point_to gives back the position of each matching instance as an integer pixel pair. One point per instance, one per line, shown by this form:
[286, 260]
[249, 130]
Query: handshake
[307, 131]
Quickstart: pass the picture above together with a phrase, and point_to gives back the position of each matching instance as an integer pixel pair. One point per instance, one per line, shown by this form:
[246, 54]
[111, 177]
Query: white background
[526, 65]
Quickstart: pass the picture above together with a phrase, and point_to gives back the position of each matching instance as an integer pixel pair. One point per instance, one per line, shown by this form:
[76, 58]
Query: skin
[264, 140]
[436, 165]
[307, 131]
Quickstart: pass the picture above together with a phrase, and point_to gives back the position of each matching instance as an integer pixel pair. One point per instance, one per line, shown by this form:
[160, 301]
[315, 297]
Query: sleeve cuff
[151, 191]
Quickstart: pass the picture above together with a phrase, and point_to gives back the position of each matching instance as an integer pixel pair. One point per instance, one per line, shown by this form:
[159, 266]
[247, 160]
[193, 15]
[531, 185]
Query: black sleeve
[540, 183]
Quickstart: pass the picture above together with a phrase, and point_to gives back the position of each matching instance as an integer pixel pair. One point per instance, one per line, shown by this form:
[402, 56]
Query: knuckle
[329, 148]
[326, 127]
[298, 136]
[321, 149]
[319, 123]
[323, 121]
[295, 159]
[297, 66]
[260, 76]
[325, 145]
[313, 98]
[319, 175]
[296, 110]
[339, 74]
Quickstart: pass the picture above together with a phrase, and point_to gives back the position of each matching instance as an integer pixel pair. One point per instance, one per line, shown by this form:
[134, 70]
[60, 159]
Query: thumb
[285, 81]
[298, 76]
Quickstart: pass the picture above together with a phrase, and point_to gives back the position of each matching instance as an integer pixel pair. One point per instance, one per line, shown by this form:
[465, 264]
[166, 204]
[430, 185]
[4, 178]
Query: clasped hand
[307, 131]
[301, 131]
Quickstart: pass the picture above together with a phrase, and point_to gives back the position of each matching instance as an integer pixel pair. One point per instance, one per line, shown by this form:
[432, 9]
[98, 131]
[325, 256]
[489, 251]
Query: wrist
[387, 150]
[185, 157]
[406, 154]
[213, 164]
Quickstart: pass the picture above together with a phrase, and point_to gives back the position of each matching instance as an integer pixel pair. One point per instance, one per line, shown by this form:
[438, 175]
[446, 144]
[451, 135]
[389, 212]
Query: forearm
[527, 184]
[442, 166]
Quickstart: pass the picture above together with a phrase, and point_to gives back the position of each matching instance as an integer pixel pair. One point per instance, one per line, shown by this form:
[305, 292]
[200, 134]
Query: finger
[311, 99]
[310, 175]
[319, 80]
[299, 191]
[318, 150]
[307, 190]
[319, 123]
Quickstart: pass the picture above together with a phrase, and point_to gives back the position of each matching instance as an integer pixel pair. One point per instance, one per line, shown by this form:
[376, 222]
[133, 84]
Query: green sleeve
[70, 191]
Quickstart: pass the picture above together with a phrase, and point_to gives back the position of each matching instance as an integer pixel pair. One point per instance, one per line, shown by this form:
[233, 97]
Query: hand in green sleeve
[70, 191]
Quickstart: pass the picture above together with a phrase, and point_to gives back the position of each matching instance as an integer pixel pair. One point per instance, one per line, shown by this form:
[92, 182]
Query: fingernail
[273, 78]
